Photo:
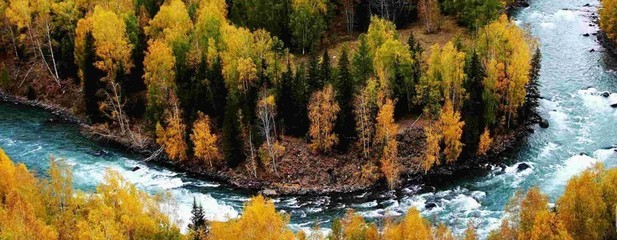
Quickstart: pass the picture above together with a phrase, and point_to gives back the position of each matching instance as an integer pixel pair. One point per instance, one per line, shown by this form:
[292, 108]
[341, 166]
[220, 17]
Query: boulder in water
[592, 50]
[544, 123]
[587, 5]
[98, 153]
[268, 192]
[605, 94]
[136, 168]
[586, 35]
[430, 205]
[522, 167]
[614, 105]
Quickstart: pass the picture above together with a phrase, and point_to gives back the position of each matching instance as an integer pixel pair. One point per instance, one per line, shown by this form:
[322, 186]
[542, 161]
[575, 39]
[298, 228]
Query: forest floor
[299, 171]
[449, 31]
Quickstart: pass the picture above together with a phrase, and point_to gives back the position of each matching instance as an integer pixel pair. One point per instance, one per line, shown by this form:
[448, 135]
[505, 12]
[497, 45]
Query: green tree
[307, 22]
[345, 89]
[232, 135]
[362, 62]
[473, 107]
[325, 70]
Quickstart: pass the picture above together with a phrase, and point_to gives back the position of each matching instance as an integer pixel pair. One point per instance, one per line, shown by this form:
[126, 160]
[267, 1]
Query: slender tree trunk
[13, 40]
[51, 50]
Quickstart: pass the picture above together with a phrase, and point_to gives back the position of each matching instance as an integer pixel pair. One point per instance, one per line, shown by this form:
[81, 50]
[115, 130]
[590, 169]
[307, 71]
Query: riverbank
[347, 172]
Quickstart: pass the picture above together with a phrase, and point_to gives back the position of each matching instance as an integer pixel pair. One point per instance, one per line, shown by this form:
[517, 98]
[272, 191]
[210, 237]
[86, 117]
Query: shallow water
[582, 132]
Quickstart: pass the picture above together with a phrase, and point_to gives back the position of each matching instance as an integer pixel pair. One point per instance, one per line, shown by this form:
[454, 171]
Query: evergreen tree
[325, 70]
[91, 84]
[286, 104]
[345, 122]
[197, 219]
[533, 91]
[402, 91]
[416, 68]
[473, 108]
[314, 74]
[218, 92]
[232, 138]
[362, 66]
[300, 98]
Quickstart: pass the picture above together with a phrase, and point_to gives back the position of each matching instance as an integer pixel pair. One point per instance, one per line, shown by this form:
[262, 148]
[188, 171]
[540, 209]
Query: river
[582, 132]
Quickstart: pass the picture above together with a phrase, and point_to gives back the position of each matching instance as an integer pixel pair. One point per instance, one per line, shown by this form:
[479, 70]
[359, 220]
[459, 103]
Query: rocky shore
[318, 175]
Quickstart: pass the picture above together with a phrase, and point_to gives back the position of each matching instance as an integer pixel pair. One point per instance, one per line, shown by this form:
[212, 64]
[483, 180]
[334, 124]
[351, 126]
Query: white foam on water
[572, 167]
[548, 149]
[213, 209]
[513, 170]
[478, 195]
[206, 184]
[291, 203]
[366, 204]
[371, 214]
[464, 203]
[594, 101]
[559, 119]
[536, 15]
[155, 180]
[547, 25]
[555, 112]
[565, 15]
[605, 155]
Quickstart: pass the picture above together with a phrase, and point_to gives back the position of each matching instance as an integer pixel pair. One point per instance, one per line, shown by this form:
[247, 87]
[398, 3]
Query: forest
[243, 86]
[290, 93]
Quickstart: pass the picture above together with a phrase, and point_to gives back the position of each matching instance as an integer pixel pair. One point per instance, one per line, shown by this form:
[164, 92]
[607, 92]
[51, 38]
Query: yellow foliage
[312, 6]
[432, 152]
[204, 140]
[582, 209]
[379, 32]
[443, 79]
[413, 227]
[323, 110]
[608, 19]
[452, 73]
[506, 53]
[387, 55]
[172, 23]
[159, 73]
[443, 233]
[18, 12]
[451, 128]
[171, 137]
[211, 16]
[547, 226]
[23, 211]
[470, 232]
[386, 135]
[259, 221]
[429, 87]
[485, 142]
[112, 46]
[529, 217]
[120, 7]
[354, 226]
[33, 209]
